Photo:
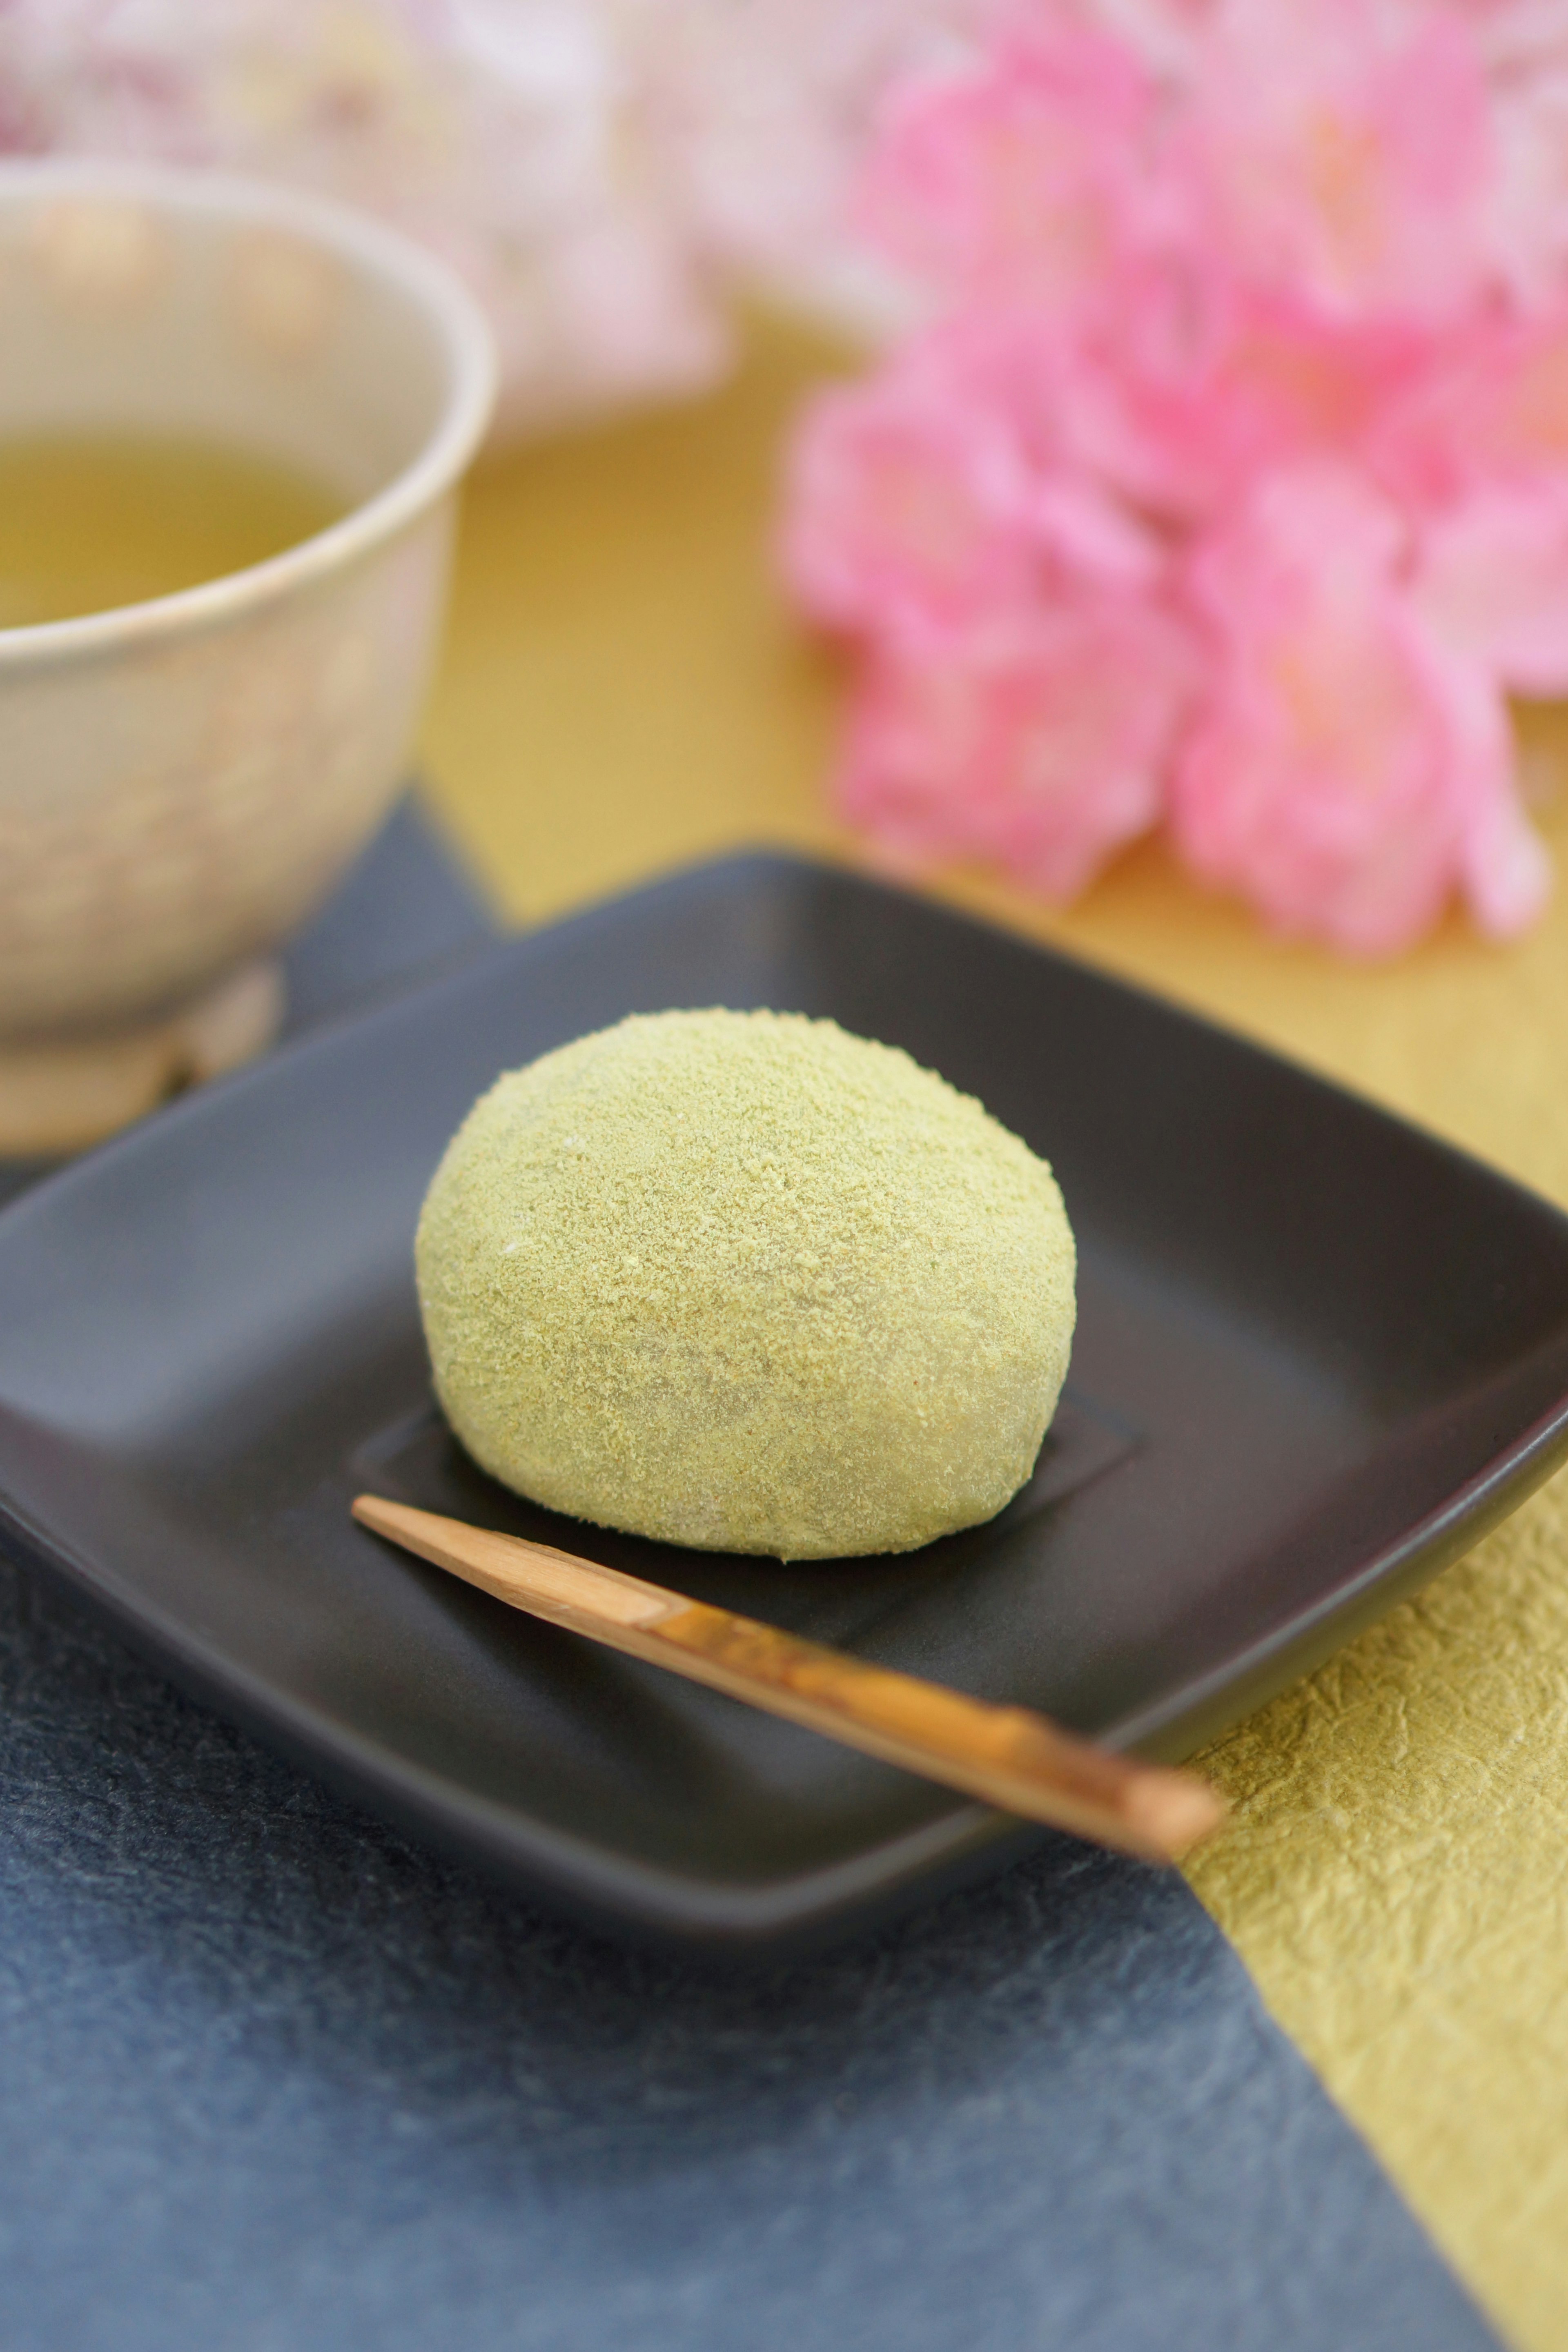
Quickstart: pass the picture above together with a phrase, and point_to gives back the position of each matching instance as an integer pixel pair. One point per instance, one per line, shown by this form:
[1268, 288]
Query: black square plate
[1319, 1353]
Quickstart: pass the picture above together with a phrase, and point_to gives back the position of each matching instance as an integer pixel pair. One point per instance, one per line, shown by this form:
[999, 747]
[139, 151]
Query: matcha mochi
[741, 1281]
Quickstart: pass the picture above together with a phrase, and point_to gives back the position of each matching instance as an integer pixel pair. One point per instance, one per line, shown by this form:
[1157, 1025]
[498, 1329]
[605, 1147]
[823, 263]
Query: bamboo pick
[1007, 1755]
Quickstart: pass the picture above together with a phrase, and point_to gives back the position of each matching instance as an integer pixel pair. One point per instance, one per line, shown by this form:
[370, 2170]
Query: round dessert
[740, 1281]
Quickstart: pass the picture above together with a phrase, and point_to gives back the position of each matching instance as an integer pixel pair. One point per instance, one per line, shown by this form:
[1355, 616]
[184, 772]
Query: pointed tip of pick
[374, 1511]
[1176, 1810]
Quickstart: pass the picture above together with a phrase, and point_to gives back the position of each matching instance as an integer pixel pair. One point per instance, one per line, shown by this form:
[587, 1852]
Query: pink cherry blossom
[934, 492]
[1516, 414]
[1528, 211]
[1348, 160]
[1019, 180]
[1260, 378]
[1039, 739]
[1484, 409]
[1226, 475]
[1346, 770]
[1167, 35]
[905, 507]
[1504, 871]
[1492, 585]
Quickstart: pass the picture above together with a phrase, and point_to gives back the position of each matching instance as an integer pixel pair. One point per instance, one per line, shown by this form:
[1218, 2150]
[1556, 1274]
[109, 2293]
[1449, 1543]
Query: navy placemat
[271, 2079]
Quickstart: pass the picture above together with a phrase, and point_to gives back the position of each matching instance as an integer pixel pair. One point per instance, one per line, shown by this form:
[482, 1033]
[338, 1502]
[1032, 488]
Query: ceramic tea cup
[182, 780]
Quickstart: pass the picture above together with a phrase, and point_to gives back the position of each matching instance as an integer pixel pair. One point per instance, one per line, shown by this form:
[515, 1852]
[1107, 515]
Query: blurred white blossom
[602, 171]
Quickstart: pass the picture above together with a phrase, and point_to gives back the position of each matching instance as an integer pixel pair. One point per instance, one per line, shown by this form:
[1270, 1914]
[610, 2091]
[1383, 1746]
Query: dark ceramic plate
[1318, 1354]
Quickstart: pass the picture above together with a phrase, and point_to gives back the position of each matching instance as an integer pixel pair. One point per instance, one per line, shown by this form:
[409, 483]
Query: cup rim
[355, 238]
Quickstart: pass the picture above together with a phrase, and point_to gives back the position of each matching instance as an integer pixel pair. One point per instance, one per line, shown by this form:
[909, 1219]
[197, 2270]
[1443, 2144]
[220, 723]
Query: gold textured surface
[623, 691]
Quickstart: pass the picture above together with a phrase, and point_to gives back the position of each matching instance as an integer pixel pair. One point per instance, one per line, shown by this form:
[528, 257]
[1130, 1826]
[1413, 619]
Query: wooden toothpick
[1007, 1755]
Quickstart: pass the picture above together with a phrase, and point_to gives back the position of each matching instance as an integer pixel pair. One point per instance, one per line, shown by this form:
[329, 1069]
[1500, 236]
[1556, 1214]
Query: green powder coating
[740, 1281]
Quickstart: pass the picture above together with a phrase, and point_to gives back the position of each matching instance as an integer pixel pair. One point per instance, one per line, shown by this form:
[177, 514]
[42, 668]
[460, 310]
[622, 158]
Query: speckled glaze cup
[183, 781]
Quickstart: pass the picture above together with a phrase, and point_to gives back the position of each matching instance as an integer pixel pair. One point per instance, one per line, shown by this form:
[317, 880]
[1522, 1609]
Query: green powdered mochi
[741, 1281]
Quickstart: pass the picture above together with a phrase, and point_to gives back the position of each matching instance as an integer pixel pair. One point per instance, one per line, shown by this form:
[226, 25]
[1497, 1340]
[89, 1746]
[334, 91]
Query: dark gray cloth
[403, 910]
[271, 2079]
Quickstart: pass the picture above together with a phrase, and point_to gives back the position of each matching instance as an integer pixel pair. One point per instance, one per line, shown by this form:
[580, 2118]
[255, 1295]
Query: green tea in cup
[92, 521]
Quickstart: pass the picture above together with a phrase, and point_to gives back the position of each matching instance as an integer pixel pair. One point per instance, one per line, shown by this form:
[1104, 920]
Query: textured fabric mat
[272, 2079]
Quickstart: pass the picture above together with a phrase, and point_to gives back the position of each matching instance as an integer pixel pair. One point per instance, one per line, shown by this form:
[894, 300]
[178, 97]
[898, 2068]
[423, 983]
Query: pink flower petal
[1268, 381]
[1018, 179]
[1492, 585]
[1528, 208]
[936, 492]
[905, 506]
[1038, 740]
[1347, 158]
[1346, 772]
[1486, 408]
[1504, 869]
